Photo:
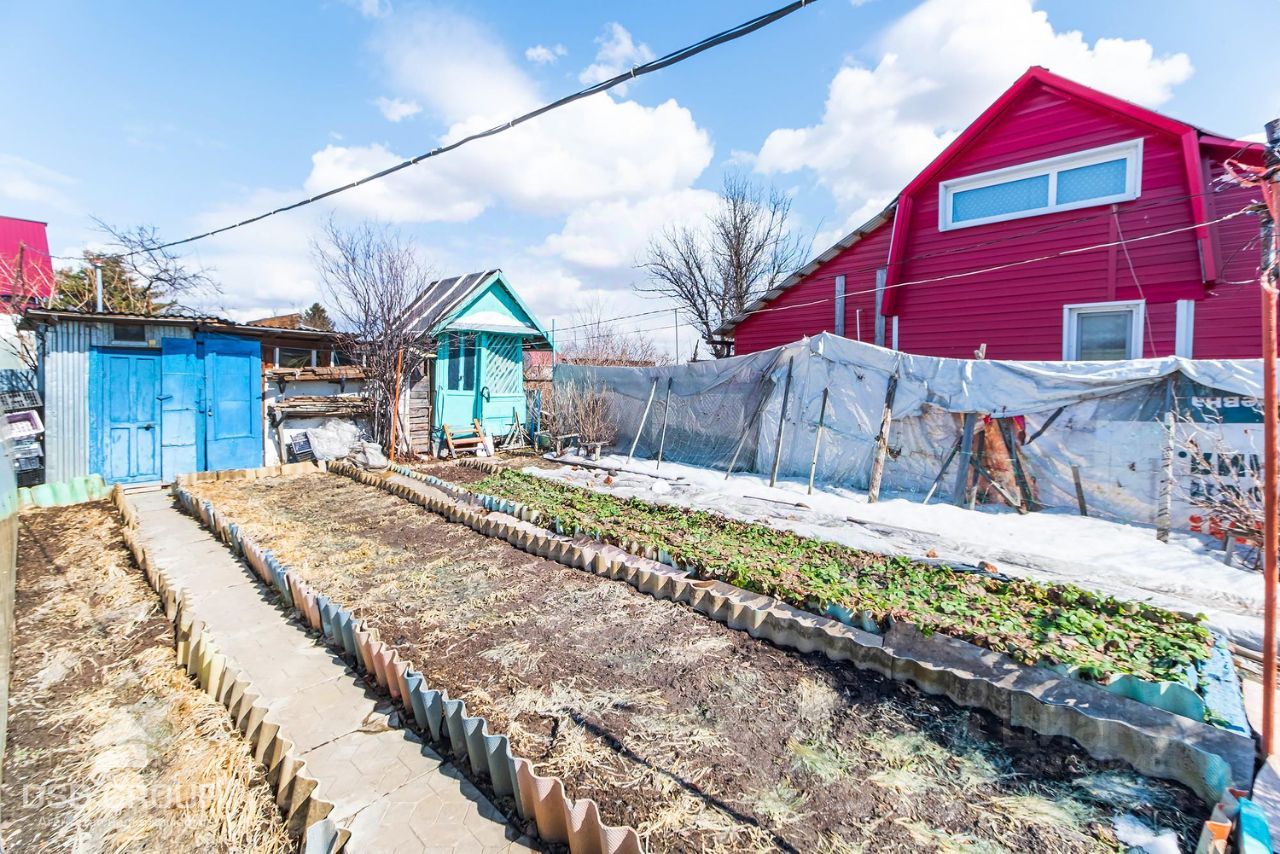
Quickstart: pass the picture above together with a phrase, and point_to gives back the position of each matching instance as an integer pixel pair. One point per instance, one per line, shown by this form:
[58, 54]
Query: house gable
[492, 306]
[1044, 116]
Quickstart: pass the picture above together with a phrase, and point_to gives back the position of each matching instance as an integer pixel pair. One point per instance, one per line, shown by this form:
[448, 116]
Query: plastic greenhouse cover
[1109, 424]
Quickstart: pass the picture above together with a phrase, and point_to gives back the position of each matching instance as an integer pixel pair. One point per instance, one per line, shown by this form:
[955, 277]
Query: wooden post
[1011, 500]
[643, 418]
[1164, 511]
[280, 443]
[817, 441]
[662, 437]
[975, 460]
[946, 463]
[1019, 474]
[1075, 475]
[755, 419]
[966, 449]
[882, 442]
[395, 402]
[1264, 178]
[782, 423]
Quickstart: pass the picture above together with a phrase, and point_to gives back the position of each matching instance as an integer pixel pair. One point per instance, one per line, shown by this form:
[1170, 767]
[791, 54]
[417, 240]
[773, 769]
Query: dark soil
[451, 471]
[109, 743]
[697, 735]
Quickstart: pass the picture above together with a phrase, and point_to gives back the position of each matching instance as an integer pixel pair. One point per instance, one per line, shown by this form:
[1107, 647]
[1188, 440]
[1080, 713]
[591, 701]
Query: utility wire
[676, 56]
[1124, 242]
[1019, 236]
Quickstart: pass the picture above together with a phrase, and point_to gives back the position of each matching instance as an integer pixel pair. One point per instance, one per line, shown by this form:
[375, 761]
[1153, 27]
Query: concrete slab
[392, 791]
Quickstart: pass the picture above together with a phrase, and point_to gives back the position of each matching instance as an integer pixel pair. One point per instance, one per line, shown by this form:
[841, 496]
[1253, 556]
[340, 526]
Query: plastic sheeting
[1106, 417]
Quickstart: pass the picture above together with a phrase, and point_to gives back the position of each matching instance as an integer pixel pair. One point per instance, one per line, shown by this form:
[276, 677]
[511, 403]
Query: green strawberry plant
[1050, 624]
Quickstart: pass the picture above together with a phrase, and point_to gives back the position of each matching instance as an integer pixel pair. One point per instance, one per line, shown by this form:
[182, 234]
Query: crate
[34, 477]
[28, 447]
[22, 425]
[25, 399]
[300, 448]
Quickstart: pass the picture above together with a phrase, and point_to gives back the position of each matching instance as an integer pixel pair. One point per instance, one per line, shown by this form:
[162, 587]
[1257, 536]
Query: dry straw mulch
[111, 746]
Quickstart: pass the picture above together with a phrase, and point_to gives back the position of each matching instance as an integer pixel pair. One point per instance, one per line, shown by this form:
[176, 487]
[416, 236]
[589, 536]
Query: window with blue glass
[1094, 177]
[460, 354]
[1023, 194]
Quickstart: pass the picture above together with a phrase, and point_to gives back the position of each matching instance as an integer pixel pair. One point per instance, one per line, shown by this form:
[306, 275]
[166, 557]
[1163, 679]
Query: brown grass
[112, 748]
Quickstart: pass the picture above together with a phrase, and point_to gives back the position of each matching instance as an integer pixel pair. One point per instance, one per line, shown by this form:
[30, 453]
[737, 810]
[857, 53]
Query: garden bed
[111, 747]
[699, 736]
[1094, 637]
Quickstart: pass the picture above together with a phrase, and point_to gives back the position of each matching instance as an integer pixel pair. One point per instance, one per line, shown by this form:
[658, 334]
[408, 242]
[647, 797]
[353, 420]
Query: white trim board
[1130, 151]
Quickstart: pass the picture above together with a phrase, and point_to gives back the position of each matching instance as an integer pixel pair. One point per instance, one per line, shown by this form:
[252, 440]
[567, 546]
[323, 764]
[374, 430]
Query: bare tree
[745, 247]
[581, 409]
[594, 339]
[22, 291]
[140, 276]
[372, 274]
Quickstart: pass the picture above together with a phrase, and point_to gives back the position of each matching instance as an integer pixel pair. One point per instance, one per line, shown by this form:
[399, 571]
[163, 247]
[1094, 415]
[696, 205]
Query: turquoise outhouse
[474, 331]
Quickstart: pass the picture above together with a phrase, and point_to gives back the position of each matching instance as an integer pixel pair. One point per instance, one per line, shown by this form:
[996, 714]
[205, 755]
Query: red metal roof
[23, 242]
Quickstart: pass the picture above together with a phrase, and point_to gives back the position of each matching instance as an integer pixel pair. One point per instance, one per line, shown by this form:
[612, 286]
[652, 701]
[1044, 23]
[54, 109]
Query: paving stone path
[394, 793]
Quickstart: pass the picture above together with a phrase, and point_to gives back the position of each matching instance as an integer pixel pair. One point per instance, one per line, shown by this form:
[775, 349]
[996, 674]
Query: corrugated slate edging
[1205, 758]
[544, 800]
[306, 816]
[1219, 698]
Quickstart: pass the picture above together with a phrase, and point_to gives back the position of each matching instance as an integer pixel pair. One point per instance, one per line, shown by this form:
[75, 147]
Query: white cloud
[618, 53]
[542, 55]
[941, 65]
[592, 150]
[371, 8]
[454, 66]
[28, 189]
[264, 268]
[422, 193]
[396, 109]
[614, 233]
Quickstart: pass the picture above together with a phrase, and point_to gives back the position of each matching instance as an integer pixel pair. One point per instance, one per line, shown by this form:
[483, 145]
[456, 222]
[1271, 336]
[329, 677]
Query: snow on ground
[1118, 559]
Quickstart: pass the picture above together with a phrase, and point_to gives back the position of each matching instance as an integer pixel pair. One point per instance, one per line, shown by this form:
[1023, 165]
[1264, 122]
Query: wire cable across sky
[676, 56]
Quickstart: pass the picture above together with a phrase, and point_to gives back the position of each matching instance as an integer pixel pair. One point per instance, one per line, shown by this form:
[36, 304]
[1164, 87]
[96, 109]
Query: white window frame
[1185, 329]
[1130, 150]
[1070, 313]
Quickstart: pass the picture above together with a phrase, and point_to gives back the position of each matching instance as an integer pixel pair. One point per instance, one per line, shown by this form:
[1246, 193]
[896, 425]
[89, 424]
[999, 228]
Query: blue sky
[184, 116]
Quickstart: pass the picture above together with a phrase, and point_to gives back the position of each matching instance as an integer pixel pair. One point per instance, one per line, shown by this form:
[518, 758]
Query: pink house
[1063, 223]
[26, 270]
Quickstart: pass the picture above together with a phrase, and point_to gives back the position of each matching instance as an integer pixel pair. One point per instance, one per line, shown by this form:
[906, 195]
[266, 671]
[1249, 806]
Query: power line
[676, 56]
[968, 273]
[1019, 236]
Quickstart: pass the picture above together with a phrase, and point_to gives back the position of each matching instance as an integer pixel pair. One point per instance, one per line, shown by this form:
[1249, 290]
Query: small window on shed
[291, 357]
[130, 332]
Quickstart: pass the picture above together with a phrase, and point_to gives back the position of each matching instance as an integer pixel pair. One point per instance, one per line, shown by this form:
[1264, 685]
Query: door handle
[148, 426]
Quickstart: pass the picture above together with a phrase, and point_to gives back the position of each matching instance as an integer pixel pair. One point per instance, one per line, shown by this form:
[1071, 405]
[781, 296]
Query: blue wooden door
[125, 420]
[232, 402]
[182, 428]
[502, 382]
[457, 381]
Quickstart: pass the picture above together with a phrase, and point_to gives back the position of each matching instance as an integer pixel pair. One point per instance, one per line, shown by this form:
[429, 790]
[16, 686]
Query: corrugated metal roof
[54, 316]
[440, 297]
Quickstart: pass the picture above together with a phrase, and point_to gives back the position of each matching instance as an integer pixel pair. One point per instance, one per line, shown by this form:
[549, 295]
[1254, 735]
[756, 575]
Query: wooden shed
[476, 330]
